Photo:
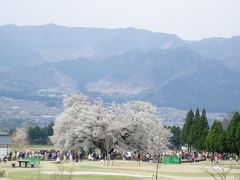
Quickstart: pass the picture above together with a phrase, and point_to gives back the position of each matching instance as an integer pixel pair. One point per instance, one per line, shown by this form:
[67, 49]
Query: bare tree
[158, 141]
[19, 139]
[64, 172]
[219, 171]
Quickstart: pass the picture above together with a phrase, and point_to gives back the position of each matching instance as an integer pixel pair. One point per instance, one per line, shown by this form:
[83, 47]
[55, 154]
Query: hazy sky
[189, 19]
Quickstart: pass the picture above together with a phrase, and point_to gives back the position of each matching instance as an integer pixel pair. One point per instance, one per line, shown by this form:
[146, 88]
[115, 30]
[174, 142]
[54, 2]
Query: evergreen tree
[175, 139]
[185, 135]
[231, 133]
[50, 129]
[215, 137]
[204, 119]
[203, 131]
[197, 114]
[199, 130]
[223, 141]
[238, 137]
[201, 143]
[39, 135]
[196, 131]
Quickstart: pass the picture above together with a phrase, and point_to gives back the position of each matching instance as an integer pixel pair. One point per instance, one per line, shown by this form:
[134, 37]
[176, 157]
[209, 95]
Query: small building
[5, 141]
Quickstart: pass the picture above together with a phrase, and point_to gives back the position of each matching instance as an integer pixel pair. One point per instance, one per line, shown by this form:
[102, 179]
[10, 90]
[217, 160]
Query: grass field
[117, 170]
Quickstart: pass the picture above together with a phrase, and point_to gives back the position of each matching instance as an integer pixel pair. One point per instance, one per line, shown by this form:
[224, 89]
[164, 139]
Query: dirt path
[98, 173]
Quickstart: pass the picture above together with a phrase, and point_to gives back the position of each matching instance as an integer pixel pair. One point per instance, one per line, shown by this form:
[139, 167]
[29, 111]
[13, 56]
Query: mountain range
[46, 62]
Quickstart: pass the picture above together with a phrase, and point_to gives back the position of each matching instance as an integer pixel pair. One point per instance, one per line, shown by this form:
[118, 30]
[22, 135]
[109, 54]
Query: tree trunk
[157, 168]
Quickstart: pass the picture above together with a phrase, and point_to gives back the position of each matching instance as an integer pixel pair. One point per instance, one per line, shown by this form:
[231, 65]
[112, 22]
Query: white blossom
[19, 139]
[85, 124]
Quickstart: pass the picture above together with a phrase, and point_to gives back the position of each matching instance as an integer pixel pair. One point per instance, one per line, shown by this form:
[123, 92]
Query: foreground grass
[35, 176]
[166, 172]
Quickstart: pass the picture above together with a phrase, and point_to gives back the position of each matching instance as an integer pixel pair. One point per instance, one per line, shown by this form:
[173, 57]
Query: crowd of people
[48, 155]
[3, 158]
[56, 155]
[203, 156]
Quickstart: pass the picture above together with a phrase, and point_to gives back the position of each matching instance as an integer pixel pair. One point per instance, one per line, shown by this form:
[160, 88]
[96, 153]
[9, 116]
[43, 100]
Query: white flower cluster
[85, 124]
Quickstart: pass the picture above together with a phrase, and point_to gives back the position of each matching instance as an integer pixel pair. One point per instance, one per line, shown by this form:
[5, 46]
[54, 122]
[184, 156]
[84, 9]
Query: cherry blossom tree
[158, 141]
[83, 125]
[92, 124]
[136, 117]
[69, 125]
[19, 139]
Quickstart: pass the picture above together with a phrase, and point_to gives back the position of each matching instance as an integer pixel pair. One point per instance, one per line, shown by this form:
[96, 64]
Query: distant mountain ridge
[55, 42]
[120, 65]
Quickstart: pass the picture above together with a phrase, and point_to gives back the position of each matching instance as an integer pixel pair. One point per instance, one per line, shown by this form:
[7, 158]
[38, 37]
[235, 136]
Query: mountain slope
[176, 77]
[54, 42]
[119, 64]
[226, 50]
[12, 53]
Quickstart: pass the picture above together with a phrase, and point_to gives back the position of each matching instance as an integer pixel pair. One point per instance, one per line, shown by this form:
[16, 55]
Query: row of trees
[195, 130]
[196, 133]
[225, 139]
[39, 135]
[32, 135]
[86, 124]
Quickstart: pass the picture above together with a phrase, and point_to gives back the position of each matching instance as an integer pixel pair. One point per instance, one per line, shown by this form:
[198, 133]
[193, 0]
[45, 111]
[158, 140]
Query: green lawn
[126, 170]
[35, 176]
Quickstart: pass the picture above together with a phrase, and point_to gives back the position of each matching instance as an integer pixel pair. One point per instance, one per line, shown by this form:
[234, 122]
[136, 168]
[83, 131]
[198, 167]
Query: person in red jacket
[219, 157]
[212, 158]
